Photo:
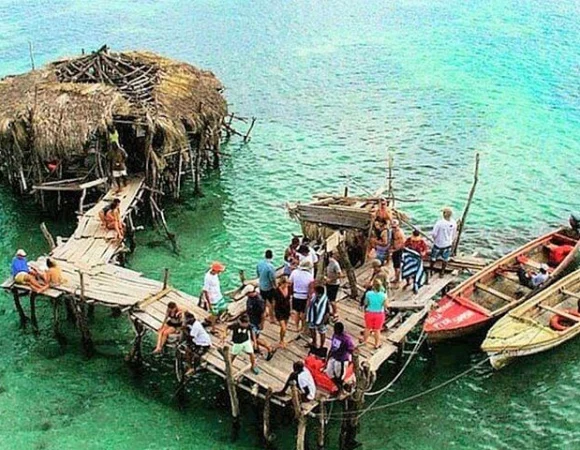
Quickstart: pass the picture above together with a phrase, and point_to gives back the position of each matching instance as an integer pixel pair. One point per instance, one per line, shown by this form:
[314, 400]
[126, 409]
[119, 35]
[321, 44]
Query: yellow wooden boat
[545, 321]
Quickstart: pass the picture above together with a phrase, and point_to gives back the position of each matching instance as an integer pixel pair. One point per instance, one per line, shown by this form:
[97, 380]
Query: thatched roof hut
[165, 111]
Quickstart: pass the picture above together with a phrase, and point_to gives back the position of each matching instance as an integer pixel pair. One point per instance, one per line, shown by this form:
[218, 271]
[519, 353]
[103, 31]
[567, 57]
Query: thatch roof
[56, 109]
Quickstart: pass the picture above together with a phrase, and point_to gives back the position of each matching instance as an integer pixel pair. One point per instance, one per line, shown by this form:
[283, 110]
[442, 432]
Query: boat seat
[560, 312]
[566, 239]
[570, 294]
[495, 292]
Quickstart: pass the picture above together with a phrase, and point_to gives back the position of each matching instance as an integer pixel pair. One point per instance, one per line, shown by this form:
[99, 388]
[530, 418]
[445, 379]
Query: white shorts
[119, 173]
[336, 369]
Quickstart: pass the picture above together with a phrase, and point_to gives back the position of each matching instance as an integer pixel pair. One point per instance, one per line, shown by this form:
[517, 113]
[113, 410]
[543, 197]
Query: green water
[335, 85]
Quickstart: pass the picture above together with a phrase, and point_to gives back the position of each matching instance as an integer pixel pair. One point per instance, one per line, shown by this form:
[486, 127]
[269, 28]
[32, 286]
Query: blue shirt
[266, 274]
[19, 265]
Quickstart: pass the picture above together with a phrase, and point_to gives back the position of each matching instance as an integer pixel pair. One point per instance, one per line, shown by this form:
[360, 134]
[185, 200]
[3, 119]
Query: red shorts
[374, 320]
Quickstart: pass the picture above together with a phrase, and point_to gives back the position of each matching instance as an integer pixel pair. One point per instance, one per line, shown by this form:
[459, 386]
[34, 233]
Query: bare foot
[156, 351]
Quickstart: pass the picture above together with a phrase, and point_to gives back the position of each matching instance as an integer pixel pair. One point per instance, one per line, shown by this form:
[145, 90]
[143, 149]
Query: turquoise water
[335, 86]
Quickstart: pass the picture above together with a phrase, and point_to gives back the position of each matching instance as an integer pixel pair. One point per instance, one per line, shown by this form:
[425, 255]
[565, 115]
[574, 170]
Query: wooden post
[18, 305]
[322, 426]
[345, 263]
[165, 278]
[179, 169]
[135, 355]
[361, 374]
[301, 433]
[231, 384]
[268, 436]
[466, 210]
[247, 136]
[33, 320]
[56, 322]
[47, 236]
[82, 325]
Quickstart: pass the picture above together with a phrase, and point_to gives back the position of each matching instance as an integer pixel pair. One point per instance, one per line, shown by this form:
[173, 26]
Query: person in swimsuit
[282, 307]
[117, 157]
[53, 275]
[383, 214]
[110, 217]
[172, 323]
[396, 249]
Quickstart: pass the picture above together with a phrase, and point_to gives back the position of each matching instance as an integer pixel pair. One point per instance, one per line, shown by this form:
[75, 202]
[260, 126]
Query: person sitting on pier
[443, 234]
[291, 256]
[211, 294]
[339, 356]
[375, 305]
[532, 279]
[117, 157]
[267, 279]
[243, 338]
[24, 274]
[256, 310]
[110, 217]
[53, 275]
[301, 284]
[172, 323]
[396, 249]
[282, 306]
[198, 342]
[317, 316]
[304, 382]
[332, 280]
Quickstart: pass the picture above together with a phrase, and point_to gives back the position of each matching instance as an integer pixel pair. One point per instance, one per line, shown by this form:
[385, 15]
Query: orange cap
[217, 266]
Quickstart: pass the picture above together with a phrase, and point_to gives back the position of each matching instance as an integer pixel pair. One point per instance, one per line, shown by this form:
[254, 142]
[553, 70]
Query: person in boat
[412, 268]
[24, 274]
[533, 279]
[198, 342]
[110, 217]
[383, 214]
[396, 248]
[242, 339]
[573, 231]
[291, 256]
[282, 307]
[172, 324]
[301, 286]
[332, 280]
[211, 294]
[267, 280]
[304, 382]
[443, 234]
[339, 356]
[117, 157]
[256, 311]
[53, 274]
[376, 303]
[317, 316]
[380, 273]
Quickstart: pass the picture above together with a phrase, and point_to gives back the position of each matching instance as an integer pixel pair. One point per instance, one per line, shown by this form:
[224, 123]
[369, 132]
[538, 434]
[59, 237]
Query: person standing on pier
[443, 234]
[339, 356]
[291, 256]
[267, 280]
[375, 306]
[242, 339]
[117, 157]
[301, 284]
[282, 307]
[256, 310]
[211, 294]
[332, 279]
[317, 316]
[396, 249]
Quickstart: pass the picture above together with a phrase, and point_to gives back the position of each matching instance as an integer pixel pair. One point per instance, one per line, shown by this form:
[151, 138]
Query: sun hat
[305, 264]
[20, 252]
[217, 266]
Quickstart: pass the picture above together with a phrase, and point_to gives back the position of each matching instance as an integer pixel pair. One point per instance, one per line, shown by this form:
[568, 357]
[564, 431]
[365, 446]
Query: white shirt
[444, 232]
[198, 334]
[300, 280]
[305, 380]
[539, 278]
[211, 284]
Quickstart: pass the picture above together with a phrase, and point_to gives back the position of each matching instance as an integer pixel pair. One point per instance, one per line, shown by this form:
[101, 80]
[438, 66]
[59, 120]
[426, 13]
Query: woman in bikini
[172, 323]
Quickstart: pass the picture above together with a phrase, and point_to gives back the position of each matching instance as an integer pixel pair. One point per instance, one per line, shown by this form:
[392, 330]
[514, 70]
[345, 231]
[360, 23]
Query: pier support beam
[321, 441]
[231, 385]
[354, 406]
[301, 433]
[23, 318]
[33, 320]
[83, 326]
[56, 322]
[268, 436]
[135, 356]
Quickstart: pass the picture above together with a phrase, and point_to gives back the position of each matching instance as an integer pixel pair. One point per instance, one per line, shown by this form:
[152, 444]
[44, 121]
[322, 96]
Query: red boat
[481, 299]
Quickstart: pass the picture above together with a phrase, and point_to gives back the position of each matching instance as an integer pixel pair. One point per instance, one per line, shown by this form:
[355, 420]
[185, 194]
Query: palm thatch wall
[54, 121]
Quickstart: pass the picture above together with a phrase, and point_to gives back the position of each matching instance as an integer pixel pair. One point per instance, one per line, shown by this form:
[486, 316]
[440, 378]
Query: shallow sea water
[335, 86]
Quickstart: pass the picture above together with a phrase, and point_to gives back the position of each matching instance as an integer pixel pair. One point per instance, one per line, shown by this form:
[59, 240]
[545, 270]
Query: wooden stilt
[82, 325]
[33, 320]
[56, 322]
[47, 236]
[135, 356]
[322, 426]
[231, 384]
[268, 436]
[165, 277]
[345, 263]
[301, 419]
[466, 210]
[18, 305]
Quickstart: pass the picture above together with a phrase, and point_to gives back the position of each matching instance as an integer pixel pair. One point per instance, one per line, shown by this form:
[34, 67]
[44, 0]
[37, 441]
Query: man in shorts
[211, 294]
[267, 280]
[332, 279]
[256, 310]
[301, 284]
[317, 316]
[243, 338]
[198, 342]
[397, 247]
[304, 381]
[443, 235]
[117, 157]
[339, 356]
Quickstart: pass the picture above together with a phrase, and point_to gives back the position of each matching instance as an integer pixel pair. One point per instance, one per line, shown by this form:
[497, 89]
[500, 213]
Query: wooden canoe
[530, 328]
[491, 293]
